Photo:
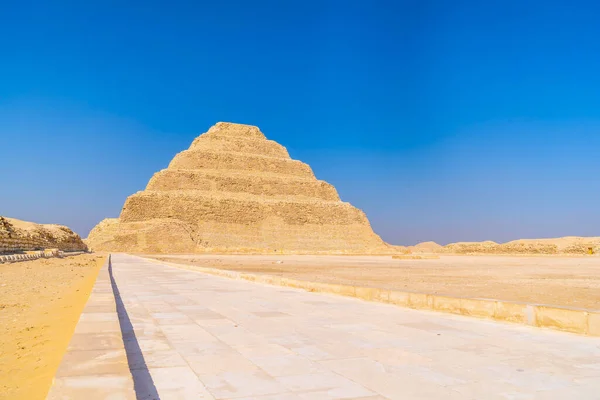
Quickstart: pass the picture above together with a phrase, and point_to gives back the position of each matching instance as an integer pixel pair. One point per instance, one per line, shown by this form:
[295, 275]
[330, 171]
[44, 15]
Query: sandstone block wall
[234, 190]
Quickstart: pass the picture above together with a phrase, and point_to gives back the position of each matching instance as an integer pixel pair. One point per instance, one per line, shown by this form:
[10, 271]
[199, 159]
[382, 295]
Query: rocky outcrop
[18, 236]
[236, 191]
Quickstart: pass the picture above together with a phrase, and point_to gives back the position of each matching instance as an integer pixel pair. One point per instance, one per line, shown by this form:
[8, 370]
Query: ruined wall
[18, 236]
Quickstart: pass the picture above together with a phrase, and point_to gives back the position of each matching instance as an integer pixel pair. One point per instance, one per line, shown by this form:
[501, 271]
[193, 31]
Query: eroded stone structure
[234, 190]
[19, 236]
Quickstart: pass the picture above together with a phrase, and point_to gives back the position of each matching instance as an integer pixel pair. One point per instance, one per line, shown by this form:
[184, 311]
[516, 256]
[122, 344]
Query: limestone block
[561, 318]
[372, 294]
[381, 295]
[478, 307]
[511, 312]
[420, 301]
[399, 298]
[446, 304]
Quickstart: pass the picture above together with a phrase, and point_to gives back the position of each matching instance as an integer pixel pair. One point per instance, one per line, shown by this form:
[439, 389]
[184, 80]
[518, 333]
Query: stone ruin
[574, 245]
[19, 236]
[235, 191]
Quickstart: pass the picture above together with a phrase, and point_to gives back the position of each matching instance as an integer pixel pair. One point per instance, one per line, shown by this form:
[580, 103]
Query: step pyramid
[235, 191]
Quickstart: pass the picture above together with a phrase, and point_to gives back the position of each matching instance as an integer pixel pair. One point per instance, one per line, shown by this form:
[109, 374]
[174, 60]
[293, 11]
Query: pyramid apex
[238, 130]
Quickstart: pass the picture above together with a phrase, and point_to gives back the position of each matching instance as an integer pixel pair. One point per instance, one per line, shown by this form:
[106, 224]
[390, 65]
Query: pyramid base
[272, 236]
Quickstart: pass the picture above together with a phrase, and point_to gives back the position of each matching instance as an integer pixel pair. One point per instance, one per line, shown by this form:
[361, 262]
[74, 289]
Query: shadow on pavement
[142, 380]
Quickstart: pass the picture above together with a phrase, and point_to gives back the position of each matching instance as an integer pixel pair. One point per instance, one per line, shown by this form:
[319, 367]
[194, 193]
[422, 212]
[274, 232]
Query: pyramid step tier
[252, 146]
[196, 206]
[252, 183]
[203, 159]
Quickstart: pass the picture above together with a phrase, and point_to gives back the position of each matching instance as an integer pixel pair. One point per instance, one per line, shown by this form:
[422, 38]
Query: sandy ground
[555, 280]
[40, 303]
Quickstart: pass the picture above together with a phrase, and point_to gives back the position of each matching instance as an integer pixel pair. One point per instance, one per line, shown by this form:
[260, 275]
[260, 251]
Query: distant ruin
[235, 191]
[566, 245]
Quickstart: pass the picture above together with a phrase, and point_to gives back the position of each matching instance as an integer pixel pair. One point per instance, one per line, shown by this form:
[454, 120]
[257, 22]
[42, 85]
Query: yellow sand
[40, 304]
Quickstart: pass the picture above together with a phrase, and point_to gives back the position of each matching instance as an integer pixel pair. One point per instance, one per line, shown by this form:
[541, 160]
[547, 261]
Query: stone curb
[580, 321]
[96, 353]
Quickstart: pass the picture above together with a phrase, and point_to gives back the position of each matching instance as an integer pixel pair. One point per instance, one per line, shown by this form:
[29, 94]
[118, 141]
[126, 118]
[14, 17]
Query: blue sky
[442, 120]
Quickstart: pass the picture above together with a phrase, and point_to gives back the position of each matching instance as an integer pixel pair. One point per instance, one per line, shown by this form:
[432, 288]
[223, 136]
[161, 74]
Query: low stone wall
[34, 255]
[580, 321]
[13, 245]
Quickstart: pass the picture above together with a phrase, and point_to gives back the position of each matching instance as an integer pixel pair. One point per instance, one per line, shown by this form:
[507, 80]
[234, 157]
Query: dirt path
[556, 280]
[40, 303]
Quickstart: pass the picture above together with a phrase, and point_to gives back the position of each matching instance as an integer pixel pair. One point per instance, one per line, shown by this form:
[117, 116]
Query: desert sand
[555, 280]
[40, 303]
[236, 191]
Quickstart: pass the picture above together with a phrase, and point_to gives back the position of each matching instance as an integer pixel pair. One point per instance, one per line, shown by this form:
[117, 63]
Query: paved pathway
[193, 336]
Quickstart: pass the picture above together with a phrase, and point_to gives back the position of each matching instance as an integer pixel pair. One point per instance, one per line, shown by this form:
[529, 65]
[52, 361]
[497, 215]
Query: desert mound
[564, 245]
[234, 191]
[426, 247]
[471, 247]
[17, 235]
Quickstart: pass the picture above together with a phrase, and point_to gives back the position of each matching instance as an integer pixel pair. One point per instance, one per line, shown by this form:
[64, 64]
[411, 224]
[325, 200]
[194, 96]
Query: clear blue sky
[443, 120]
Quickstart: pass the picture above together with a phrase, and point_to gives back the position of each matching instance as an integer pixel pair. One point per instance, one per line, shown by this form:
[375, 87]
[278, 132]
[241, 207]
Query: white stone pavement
[189, 335]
